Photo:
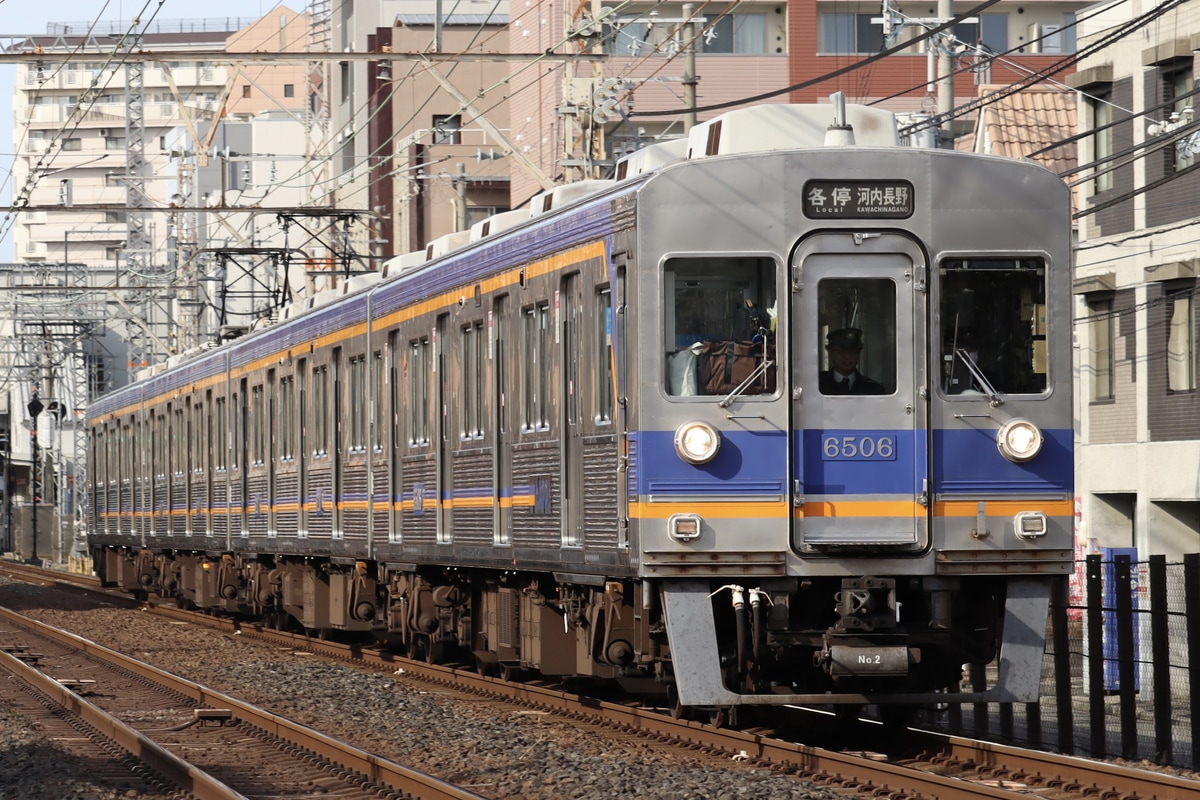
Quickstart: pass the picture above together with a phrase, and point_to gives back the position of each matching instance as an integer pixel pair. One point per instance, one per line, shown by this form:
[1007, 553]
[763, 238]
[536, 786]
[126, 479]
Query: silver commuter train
[770, 421]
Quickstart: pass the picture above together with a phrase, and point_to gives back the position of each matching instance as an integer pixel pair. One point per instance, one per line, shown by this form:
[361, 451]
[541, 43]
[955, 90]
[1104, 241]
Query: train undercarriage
[836, 640]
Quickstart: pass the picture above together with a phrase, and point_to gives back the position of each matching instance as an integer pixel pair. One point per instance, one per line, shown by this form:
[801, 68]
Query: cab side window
[719, 326]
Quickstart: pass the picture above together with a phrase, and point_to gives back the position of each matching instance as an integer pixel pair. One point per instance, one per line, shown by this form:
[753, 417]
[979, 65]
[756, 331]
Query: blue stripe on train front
[836, 462]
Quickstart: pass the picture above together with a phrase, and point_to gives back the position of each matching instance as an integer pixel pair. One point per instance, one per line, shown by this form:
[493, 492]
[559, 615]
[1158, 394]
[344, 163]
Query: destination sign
[824, 199]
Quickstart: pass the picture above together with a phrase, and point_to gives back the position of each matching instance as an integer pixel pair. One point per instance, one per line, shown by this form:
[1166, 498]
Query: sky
[18, 17]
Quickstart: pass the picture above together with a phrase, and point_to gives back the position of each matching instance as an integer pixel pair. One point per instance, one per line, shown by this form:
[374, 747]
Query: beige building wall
[428, 164]
[270, 87]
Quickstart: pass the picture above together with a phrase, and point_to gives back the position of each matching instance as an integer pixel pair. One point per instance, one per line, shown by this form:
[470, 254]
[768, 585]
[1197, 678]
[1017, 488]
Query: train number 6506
[859, 448]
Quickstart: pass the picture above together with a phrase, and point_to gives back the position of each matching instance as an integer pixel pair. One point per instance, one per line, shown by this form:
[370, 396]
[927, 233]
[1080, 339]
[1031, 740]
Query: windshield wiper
[761, 369]
[977, 373]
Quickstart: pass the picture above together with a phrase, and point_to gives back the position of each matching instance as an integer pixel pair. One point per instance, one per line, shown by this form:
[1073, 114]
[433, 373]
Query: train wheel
[896, 718]
[674, 707]
[847, 715]
[718, 717]
[425, 648]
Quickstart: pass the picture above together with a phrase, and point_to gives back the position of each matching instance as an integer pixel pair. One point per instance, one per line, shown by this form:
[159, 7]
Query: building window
[245, 90]
[289, 90]
[1177, 84]
[639, 33]
[72, 144]
[477, 214]
[849, 33]
[1101, 312]
[1181, 343]
[990, 33]
[446, 129]
[1102, 140]
[737, 33]
[114, 142]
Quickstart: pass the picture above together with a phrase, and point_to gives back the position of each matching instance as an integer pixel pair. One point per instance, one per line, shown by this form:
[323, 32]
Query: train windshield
[719, 326]
[993, 326]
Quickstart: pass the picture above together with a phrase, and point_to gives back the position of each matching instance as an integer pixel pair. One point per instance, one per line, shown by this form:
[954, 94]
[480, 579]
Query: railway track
[916, 764]
[82, 732]
[209, 745]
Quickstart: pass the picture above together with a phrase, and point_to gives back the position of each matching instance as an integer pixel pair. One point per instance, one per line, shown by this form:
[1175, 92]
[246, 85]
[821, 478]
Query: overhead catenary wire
[830, 75]
[47, 158]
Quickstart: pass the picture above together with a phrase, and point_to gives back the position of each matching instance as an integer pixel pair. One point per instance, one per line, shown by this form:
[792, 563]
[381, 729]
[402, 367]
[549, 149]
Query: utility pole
[460, 185]
[945, 73]
[939, 76]
[691, 34]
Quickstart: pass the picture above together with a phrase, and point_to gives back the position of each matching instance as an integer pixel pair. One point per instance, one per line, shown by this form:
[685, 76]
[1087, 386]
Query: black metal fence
[1117, 679]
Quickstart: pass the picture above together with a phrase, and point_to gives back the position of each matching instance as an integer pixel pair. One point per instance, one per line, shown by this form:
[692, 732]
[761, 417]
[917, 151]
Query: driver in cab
[845, 347]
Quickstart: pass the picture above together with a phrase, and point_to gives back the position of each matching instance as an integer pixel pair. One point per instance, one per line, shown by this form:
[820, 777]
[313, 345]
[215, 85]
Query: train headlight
[697, 442]
[1019, 440]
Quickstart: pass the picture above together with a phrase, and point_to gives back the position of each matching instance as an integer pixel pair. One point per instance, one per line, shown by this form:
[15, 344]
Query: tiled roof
[1027, 121]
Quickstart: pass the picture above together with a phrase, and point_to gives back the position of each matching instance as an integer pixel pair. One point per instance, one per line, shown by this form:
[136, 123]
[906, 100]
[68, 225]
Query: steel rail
[375, 768]
[172, 768]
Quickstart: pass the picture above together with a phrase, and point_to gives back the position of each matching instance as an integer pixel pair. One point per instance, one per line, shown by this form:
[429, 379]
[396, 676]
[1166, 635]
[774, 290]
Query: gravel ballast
[494, 749]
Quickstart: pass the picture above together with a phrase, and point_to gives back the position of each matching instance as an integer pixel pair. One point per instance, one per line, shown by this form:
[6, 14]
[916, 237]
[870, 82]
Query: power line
[835, 73]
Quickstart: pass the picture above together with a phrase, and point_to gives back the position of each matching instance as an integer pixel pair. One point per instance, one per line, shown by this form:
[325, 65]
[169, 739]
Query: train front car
[851, 463]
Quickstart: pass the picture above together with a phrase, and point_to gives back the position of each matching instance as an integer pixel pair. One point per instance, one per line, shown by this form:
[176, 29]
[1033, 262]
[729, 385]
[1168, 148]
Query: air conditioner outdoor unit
[104, 132]
[1045, 38]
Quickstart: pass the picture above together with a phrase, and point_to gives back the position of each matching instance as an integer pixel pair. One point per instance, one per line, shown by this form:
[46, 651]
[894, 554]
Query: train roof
[755, 129]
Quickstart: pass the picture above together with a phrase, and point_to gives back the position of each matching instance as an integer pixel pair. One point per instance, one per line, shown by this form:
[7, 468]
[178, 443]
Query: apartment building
[75, 111]
[1136, 279]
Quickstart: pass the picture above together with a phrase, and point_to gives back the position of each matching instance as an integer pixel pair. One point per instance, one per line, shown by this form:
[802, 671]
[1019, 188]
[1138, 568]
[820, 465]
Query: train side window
[320, 411]
[378, 400]
[604, 353]
[719, 325]
[418, 401]
[358, 404]
[287, 418]
[220, 436]
[993, 326]
[535, 364]
[473, 354]
[856, 328]
[258, 421]
[200, 438]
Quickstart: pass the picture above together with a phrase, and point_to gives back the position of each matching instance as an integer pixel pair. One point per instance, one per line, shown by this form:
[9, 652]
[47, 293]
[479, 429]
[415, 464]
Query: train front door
[859, 420]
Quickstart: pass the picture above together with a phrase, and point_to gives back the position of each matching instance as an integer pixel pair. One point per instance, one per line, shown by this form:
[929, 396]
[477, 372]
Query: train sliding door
[860, 450]
[569, 308]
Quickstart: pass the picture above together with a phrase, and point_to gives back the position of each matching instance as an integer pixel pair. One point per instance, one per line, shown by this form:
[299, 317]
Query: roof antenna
[839, 134]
